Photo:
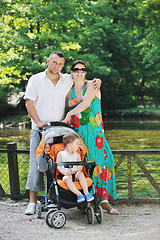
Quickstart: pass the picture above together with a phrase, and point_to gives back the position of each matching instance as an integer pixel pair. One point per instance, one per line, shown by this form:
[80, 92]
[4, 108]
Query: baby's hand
[68, 173]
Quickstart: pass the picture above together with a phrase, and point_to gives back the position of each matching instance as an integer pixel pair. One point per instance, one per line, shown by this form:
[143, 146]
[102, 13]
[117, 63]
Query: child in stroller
[71, 144]
[56, 191]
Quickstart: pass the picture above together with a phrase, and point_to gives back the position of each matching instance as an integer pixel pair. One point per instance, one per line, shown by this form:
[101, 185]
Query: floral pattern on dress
[98, 118]
[90, 128]
[99, 142]
[75, 121]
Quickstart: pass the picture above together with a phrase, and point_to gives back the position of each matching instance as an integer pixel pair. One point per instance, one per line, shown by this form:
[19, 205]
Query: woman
[85, 116]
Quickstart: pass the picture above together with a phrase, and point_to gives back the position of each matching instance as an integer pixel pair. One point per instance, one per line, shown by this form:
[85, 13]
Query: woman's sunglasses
[76, 70]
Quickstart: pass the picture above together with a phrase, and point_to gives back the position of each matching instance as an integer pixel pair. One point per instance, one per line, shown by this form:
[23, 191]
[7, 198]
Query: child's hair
[69, 138]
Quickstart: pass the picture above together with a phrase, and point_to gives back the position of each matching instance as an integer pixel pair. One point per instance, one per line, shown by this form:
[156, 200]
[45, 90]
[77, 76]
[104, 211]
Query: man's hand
[33, 113]
[41, 124]
[96, 82]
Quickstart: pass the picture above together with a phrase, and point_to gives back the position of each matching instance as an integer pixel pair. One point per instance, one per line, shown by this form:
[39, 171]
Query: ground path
[135, 222]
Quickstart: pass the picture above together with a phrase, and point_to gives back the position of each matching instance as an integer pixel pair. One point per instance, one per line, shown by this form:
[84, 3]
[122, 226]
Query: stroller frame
[55, 217]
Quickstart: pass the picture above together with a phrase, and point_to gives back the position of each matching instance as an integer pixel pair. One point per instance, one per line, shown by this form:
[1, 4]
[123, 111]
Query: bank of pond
[130, 134]
[121, 135]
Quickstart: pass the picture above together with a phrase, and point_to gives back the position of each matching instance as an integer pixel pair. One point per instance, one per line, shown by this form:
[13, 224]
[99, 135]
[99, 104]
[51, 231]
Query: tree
[119, 41]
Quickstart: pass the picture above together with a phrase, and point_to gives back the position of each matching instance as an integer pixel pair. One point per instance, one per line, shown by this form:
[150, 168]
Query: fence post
[129, 166]
[13, 170]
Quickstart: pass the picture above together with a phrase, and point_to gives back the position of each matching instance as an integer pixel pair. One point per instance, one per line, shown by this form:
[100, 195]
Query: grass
[142, 188]
[141, 185]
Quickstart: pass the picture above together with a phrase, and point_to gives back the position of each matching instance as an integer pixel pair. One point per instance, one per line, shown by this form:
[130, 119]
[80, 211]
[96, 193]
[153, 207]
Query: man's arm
[33, 113]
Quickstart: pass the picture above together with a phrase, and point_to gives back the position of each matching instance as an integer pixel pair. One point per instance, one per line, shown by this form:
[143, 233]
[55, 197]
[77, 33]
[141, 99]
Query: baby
[71, 144]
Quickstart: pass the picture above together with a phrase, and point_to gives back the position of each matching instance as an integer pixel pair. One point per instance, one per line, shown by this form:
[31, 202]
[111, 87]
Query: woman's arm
[96, 84]
[91, 92]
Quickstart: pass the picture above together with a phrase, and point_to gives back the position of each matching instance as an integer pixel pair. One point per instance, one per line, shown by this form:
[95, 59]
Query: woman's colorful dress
[89, 126]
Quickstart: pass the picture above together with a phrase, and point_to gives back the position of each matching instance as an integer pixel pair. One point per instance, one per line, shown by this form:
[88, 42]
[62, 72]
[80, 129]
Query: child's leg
[82, 180]
[68, 181]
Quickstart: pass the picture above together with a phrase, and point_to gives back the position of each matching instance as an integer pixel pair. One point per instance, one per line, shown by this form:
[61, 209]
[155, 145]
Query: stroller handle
[53, 124]
[84, 163]
[56, 123]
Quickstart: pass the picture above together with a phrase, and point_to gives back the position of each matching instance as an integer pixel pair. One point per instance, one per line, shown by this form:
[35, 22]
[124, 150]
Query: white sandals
[112, 211]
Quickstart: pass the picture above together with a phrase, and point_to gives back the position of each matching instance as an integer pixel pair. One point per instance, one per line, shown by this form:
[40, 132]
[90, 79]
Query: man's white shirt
[49, 100]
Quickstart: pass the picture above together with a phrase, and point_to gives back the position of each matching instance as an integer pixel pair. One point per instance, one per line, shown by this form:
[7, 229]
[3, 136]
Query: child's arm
[60, 168]
[79, 168]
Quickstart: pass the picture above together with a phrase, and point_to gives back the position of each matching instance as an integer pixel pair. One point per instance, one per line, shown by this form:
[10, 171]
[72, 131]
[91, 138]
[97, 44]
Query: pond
[120, 134]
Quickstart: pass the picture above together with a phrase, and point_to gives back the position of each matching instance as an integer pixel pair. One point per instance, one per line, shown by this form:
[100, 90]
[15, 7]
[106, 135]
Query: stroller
[57, 195]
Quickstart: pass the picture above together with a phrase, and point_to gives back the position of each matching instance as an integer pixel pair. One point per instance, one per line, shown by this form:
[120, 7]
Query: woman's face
[79, 72]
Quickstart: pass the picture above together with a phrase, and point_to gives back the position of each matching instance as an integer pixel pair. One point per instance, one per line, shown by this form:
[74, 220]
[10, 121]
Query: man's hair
[69, 138]
[59, 54]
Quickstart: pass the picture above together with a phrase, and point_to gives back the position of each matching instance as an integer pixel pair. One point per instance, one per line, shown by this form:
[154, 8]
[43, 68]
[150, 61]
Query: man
[45, 102]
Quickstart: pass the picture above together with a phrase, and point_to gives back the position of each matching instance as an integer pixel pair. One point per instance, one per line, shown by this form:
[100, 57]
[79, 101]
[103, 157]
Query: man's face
[55, 64]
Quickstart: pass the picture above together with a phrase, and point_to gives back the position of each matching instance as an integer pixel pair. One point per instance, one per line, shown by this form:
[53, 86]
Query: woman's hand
[67, 119]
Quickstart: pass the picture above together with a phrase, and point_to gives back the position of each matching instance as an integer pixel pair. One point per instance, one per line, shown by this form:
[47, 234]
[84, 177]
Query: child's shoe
[80, 198]
[89, 197]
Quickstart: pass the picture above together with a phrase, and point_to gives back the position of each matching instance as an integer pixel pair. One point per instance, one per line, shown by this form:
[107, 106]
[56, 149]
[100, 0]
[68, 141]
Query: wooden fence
[132, 157]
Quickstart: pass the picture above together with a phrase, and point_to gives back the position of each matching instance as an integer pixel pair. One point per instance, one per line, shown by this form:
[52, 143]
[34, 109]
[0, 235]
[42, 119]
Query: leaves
[119, 41]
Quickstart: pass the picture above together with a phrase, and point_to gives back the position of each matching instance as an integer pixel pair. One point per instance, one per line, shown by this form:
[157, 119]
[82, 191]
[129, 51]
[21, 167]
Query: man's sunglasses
[76, 70]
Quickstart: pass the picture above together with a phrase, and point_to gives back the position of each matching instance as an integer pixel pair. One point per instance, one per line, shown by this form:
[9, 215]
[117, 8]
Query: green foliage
[119, 41]
[3, 100]
[18, 118]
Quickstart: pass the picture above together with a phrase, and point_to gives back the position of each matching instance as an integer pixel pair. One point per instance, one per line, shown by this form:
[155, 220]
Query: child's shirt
[67, 157]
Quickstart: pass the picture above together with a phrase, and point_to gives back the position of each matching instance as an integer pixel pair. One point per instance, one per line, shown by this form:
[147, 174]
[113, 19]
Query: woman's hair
[69, 138]
[77, 62]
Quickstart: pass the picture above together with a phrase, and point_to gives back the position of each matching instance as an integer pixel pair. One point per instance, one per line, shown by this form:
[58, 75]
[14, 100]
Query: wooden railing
[13, 166]
[133, 156]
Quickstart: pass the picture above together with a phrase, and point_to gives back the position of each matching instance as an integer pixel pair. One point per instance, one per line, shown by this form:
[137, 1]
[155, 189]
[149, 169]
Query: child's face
[75, 145]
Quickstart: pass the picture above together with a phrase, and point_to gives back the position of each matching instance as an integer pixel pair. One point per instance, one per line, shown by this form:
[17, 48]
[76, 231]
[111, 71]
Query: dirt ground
[140, 222]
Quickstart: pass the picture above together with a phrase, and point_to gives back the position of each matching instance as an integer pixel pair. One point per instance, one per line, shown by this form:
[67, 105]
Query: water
[15, 134]
[120, 134]
[133, 134]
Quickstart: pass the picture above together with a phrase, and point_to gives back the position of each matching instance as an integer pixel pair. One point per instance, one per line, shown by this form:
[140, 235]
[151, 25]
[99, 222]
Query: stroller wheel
[38, 209]
[58, 219]
[48, 217]
[99, 214]
[90, 215]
